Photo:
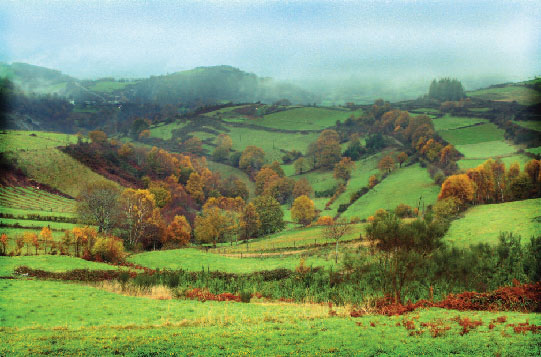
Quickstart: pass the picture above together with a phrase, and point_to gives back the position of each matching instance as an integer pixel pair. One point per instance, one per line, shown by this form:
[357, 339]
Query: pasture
[473, 134]
[483, 224]
[406, 185]
[64, 319]
[448, 122]
[228, 171]
[520, 94]
[16, 140]
[305, 118]
[29, 198]
[53, 263]
[521, 159]
[529, 124]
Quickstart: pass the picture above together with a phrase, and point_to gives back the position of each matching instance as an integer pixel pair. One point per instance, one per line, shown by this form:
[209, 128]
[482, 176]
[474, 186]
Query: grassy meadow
[520, 94]
[483, 224]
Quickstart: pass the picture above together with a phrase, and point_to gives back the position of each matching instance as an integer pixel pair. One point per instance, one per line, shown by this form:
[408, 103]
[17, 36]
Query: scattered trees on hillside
[325, 152]
[386, 164]
[342, 170]
[270, 214]
[335, 230]
[402, 158]
[223, 146]
[302, 187]
[303, 210]
[252, 159]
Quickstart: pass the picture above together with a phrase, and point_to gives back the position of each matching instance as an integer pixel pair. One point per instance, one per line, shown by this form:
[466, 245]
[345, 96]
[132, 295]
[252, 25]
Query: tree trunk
[336, 253]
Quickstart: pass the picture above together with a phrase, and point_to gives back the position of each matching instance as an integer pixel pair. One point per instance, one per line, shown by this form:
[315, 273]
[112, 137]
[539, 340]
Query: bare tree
[336, 230]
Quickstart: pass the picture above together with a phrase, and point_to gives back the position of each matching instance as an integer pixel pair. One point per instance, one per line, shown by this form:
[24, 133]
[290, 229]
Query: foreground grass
[64, 319]
[483, 224]
[195, 260]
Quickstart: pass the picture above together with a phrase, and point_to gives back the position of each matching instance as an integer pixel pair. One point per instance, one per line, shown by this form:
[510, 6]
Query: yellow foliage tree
[303, 210]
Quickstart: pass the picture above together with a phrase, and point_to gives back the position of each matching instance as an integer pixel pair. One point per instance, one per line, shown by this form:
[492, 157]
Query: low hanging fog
[339, 50]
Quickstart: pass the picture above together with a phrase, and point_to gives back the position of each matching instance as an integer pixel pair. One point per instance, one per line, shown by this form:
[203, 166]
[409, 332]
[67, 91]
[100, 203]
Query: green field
[536, 150]
[404, 185]
[63, 319]
[472, 135]
[486, 149]
[108, 86]
[530, 124]
[29, 198]
[15, 140]
[195, 260]
[54, 263]
[483, 224]
[520, 94]
[449, 122]
[306, 118]
[507, 160]
[165, 131]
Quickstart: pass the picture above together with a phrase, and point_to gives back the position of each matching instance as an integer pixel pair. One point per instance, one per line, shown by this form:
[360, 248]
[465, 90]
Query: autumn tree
[263, 178]
[386, 164]
[97, 204]
[3, 243]
[325, 151]
[232, 186]
[303, 210]
[533, 169]
[448, 154]
[223, 146]
[46, 236]
[195, 187]
[299, 165]
[193, 145]
[139, 211]
[402, 158]
[252, 159]
[249, 222]
[335, 231]
[178, 233]
[97, 136]
[28, 238]
[281, 189]
[144, 134]
[460, 187]
[108, 249]
[212, 226]
[302, 187]
[372, 181]
[342, 170]
[161, 194]
[275, 166]
[270, 214]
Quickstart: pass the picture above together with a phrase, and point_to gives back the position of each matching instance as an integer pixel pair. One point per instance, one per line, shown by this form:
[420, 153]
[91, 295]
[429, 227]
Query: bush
[343, 207]
[326, 193]
[403, 211]
[245, 296]
[108, 249]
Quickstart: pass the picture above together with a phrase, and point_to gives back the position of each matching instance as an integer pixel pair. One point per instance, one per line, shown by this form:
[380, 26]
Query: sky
[314, 42]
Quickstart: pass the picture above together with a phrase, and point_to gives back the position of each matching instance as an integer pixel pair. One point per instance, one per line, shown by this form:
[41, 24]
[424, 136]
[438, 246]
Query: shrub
[403, 211]
[108, 249]
[245, 296]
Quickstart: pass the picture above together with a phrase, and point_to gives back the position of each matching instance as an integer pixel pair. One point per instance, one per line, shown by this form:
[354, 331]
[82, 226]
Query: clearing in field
[407, 185]
[483, 224]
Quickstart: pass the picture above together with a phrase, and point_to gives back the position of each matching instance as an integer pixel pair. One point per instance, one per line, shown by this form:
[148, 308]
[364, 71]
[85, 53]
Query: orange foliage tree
[342, 170]
[460, 187]
[178, 232]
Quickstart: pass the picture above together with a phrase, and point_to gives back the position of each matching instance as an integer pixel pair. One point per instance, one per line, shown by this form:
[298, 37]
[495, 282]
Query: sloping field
[29, 198]
[529, 124]
[507, 160]
[448, 122]
[228, 171]
[196, 260]
[15, 140]
[483, 224]
[406, 185]
[486, 149]
[472, 135]
[54, 263]
[520, 94]
[165, 131]
[306, 118]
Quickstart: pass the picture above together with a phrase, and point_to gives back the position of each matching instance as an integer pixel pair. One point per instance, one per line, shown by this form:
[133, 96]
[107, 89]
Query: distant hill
[192, 88]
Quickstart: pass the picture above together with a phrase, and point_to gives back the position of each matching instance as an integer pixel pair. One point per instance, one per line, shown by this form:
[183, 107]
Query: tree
[342, 170]
[270, 214]
[533, 169]
[161, 194]
[402, 158]
[336, 230]
[195, 187]
[223, 146]
[386, 164]
[372, 181]
[303, 210]
[193, 145]
[97, 204]
[446, 89]
[138, 208]
[252, 159]
[299, 165]
[404, 249]
[3, 243]
[458, 186]
[302, 187]
[448, 154]
[28, 238]
[46, 236]
[263, 178]
[325, 151]
[249, 222]
[212, 225]
[354, 149]
[275, 166]
[97, 136]
[178, 232]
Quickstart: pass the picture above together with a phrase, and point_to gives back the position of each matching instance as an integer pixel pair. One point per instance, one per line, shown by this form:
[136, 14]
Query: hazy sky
[284, 39]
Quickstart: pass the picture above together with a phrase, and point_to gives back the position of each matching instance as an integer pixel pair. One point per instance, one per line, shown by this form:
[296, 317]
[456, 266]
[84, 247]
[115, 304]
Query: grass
[108, 86]
[486, 149]
[319, 180]
[404, 185]
[63, 320]
[292, 239]
[536, 150]
[529, 124]
[195, 260]
[165, 131]
[306, 118]
[479, 110]
[15, 140]
[54, 263]
[520, 94]
[473, 135]
[29, 198]
[508, 160]
[449, 122]
[483, 224]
